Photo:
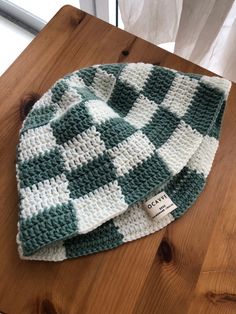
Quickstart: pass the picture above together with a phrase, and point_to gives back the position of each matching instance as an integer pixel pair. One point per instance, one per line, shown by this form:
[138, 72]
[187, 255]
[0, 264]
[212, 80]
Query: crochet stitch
[101, 142]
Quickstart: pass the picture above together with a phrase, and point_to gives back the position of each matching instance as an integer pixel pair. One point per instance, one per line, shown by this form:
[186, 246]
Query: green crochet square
[158, 84]
[40, 168]
[51, 225]
[140, 181]
[195, 116]
[40, 116]
[122, 98]
[75, 121]
[103, 238]
[91, 176]
[114, 131]
[161, 126]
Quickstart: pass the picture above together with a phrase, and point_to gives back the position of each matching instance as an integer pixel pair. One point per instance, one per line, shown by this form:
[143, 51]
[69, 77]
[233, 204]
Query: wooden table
[188, 267]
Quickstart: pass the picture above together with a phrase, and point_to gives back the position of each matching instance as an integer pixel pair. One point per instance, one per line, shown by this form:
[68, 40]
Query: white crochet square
[70, 98]
[180, 147]
[103, 84]
[36, 141]
[44, 101]
[100, 111]
[217, 82]
[136, 223]
[54, 252]
[98, 206]
[202, 160]
[42, 196]
[136, 75]
[82, 149]
[179, 97]
[141, 112]
[131, 152]
[75, 81]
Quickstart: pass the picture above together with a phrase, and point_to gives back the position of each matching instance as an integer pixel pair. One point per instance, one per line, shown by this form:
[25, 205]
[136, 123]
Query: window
[21, 20]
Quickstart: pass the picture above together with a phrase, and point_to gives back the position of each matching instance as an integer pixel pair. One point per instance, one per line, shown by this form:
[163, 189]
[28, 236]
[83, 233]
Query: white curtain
[204, 32]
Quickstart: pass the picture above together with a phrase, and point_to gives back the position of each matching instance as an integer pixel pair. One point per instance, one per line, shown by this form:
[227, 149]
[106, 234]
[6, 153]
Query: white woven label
[159, 206]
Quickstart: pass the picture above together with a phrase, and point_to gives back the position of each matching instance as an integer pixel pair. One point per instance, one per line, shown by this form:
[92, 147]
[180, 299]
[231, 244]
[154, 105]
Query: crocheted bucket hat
[112, 153]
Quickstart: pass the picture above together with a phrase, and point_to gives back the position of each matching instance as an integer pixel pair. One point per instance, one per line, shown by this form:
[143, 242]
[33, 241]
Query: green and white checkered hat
[112, 153]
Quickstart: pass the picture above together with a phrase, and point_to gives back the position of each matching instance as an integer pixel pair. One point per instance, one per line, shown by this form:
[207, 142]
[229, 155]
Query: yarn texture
[102, 141]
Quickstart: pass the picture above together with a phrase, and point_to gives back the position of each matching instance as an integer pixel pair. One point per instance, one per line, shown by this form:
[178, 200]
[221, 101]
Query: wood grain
[188, 267]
